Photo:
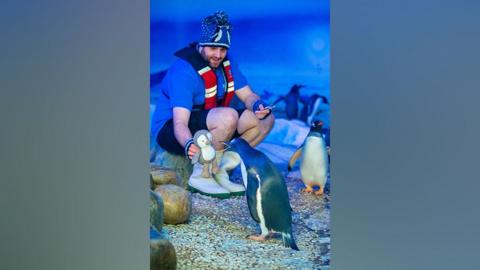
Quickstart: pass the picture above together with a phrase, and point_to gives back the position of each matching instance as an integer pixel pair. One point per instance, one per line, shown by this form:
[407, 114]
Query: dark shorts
[198, 120]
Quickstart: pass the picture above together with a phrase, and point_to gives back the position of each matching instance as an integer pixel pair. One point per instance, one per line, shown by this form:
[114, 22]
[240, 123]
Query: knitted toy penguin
[206, 155]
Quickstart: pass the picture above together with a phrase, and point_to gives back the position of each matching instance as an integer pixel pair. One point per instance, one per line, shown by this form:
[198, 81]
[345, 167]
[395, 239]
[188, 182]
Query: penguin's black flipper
[294, 158]
[251, 193]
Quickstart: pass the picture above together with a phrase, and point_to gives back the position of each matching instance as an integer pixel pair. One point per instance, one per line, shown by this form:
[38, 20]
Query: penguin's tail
[288, 241]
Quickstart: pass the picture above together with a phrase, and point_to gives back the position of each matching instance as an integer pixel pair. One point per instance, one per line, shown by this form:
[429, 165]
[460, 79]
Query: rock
[162, 255]
[180, 164]
[152, 186]
[177, 203]
[162, 176]
[156, 211]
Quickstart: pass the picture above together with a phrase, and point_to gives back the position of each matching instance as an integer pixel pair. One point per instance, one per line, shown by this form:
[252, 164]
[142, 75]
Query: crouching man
[196, 93]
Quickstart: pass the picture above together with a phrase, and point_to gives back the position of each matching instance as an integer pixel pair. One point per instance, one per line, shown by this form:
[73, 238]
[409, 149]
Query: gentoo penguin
[317, 104]
[267, 195]
[317, 108]
[291, 101]
[312, 106]
[206, 155]
[314, 162]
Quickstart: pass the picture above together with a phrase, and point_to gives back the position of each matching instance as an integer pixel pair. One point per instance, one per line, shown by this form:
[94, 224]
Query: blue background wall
[276, 43]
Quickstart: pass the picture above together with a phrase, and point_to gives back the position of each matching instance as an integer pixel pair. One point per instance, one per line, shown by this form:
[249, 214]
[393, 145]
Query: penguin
[304, 112]
[312, 106]
[314, 162]
[316, 104]
[266, 191]
[291, 101]
[206, 155]
[316, 107]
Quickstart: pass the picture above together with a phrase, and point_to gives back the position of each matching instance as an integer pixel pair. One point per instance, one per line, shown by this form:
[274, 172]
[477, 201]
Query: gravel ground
[215, 236]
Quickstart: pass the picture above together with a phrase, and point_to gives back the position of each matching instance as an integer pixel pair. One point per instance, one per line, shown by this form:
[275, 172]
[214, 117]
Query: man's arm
[249, 98]
[181, 116]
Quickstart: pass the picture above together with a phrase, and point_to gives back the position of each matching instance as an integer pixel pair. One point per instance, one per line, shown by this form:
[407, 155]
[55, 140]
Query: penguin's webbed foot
[260, 237]
[319, 192]
[308, 189]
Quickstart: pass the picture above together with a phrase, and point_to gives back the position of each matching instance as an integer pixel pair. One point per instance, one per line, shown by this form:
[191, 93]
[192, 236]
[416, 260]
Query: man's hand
[261, 110]
[191, 149]
[253, 102]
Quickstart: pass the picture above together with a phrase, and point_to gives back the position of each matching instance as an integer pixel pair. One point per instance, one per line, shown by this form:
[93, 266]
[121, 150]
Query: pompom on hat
[215, 30]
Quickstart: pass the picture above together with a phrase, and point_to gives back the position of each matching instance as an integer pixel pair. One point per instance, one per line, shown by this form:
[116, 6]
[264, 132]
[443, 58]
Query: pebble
[215, 236]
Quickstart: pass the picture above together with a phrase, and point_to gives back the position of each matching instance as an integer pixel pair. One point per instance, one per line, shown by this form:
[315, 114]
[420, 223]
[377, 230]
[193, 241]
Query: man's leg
[252, 129]
[222, 123]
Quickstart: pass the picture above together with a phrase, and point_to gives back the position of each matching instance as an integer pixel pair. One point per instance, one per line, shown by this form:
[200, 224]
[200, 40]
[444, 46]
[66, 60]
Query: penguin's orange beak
[227, 145]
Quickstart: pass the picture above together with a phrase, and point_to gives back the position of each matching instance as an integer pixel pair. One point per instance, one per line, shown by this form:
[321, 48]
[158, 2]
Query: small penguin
[267, 195]
[291, 101]
[206, 155]
[314, 162]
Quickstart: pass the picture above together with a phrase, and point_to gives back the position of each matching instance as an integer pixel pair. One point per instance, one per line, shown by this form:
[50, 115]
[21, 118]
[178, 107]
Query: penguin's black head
[296, 88]
[316, 126]
[235, 144]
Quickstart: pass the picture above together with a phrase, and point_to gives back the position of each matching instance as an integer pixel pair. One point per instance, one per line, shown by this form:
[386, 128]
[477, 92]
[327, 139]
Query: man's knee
[225, 119]
[267, 124]
[230, 118]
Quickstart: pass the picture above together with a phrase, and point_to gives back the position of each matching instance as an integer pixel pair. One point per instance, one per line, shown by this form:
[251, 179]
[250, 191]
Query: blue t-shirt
[183, 87]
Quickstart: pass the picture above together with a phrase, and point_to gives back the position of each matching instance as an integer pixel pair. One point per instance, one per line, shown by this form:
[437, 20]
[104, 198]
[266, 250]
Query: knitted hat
[215, 30]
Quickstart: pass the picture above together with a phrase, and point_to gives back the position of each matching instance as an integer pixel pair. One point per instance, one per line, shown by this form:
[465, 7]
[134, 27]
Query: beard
[214, 63]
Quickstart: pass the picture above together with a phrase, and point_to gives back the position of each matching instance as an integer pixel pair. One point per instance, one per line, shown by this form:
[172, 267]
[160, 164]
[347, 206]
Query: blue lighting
[276, 43]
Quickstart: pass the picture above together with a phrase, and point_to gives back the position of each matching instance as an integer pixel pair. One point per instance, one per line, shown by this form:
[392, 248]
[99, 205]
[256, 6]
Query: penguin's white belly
[208, 153]
[259, 208]
[314, 164]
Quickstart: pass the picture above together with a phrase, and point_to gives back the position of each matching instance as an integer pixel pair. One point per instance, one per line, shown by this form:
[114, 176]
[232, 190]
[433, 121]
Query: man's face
[213, 55]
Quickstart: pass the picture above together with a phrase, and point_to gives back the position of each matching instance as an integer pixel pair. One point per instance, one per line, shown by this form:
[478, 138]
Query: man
[196, 93]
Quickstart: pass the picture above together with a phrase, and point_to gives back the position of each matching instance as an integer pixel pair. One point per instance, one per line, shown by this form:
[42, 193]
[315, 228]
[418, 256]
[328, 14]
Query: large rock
[162, 176]
[180, 164]
[162, 255]
[156, 211]
[177, 204]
